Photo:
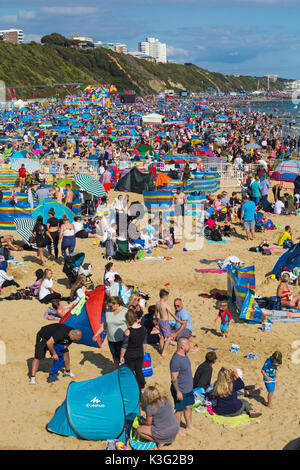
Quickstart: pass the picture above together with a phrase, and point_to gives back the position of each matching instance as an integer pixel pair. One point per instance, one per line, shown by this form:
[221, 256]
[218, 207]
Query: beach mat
[231, 422]
[212, 241]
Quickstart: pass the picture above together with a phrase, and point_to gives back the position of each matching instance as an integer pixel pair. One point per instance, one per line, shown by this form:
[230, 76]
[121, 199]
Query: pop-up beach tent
[98, 409]
[88, 317]
[289, 259]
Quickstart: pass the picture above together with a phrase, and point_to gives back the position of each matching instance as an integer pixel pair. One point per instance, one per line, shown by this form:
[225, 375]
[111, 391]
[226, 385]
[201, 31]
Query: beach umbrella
[90, 184]
[47, 204]
[62, 183]
[24, 227]
[30, 165]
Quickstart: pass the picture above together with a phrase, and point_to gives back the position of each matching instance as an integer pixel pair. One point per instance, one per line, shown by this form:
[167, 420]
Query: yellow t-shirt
[284, 236]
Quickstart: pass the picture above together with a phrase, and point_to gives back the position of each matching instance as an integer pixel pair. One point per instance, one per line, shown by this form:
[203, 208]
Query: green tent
[135, 181]
[62, 183]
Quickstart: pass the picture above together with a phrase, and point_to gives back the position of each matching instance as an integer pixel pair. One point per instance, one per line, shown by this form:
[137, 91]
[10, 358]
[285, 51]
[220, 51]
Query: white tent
[152, 118]
[20, 104]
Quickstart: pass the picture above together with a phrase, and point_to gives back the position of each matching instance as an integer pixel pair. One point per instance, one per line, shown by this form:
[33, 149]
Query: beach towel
[212, 241]
[50, 314]
[214, 271]
[232, 422]
[78, 307]
[136, 442]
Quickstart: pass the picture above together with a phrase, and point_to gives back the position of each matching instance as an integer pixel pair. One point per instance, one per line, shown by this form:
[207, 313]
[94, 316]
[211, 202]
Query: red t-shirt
[22, 172]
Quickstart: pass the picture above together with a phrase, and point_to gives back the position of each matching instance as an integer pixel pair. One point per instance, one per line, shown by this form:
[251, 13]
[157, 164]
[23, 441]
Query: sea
[287, 111]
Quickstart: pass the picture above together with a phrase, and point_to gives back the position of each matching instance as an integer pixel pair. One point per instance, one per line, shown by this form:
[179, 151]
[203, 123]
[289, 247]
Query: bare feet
[191, 428]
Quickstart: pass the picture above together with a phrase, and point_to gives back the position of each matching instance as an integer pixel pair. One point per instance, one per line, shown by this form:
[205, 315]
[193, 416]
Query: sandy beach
[25, 410]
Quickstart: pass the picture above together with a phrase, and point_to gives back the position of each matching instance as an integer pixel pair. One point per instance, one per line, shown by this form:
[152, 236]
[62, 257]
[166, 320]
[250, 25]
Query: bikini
[286, 299]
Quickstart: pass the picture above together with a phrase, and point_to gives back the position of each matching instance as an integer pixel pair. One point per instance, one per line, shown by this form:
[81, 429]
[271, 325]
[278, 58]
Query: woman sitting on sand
[288, 300]
[46, 291]
[78, 289]
[226, 387]
[160, 424]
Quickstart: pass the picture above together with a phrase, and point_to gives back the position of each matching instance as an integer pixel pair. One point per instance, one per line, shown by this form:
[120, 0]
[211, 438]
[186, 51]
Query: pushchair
[73, 267]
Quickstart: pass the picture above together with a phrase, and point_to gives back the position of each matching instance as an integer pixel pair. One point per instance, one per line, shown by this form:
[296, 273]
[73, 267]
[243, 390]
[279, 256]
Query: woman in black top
[40, 233]
[134, 346]
[53, 231]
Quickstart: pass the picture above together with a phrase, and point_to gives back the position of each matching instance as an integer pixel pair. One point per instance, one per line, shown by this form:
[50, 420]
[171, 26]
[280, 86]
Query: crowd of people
[130, 327]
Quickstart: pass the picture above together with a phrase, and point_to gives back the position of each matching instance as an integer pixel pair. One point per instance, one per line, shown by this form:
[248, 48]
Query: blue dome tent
[98, 409]
[60, 210]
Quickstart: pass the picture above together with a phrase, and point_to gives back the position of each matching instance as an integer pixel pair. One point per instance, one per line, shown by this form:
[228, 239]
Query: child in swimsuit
[226, 317]
[162, 311]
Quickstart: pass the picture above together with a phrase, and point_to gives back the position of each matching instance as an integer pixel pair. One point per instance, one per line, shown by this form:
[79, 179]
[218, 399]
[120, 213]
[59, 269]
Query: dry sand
[25, 410]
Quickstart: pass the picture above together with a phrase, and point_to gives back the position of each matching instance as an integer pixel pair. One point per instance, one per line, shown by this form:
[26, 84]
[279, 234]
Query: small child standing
[269, 372]
[226, 317]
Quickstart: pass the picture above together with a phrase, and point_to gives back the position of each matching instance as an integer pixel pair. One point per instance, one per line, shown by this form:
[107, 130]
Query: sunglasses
[177, 305]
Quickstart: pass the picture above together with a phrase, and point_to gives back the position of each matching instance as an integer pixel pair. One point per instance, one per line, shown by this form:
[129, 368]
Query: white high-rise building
[154, 48]
[14, 36]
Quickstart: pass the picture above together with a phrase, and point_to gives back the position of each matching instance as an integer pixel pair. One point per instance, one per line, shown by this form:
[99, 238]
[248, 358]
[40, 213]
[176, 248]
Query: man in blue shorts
[248, 216]
[182, 383]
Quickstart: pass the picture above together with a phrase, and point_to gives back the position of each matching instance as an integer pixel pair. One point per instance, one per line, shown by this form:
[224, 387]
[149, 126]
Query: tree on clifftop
[57, 40]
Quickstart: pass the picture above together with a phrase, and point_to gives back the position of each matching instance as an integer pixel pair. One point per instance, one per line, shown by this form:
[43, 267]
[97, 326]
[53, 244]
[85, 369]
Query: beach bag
[274, 303]
[147, 367]
[141, 255]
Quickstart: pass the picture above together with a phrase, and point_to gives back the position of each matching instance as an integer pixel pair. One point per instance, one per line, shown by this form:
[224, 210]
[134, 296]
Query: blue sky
[248, 37]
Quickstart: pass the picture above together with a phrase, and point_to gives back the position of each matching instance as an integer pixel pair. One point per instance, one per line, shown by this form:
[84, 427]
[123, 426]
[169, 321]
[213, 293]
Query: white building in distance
[154, 48]
[14, 36]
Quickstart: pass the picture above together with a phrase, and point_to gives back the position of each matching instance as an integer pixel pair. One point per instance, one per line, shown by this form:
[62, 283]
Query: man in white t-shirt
[279, 207]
